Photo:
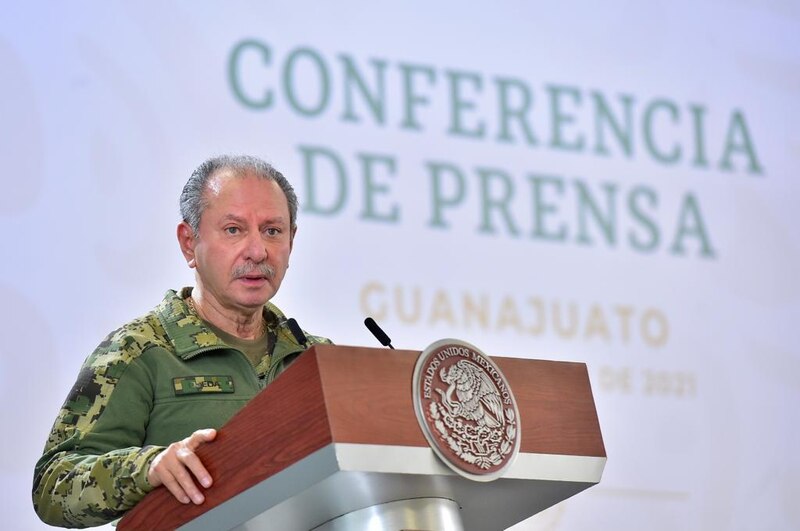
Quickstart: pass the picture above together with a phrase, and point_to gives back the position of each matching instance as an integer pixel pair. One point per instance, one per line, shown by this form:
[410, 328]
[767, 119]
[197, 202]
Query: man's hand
[172, 466]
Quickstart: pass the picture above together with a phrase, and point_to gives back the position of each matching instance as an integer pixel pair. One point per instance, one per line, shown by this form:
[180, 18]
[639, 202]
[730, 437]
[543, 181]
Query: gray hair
[194, 200]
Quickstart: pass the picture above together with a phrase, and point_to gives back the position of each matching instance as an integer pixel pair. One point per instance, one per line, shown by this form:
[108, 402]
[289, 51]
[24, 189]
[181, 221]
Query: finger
[172, 485]
[195, 465]
[200, 436]
[184, 479]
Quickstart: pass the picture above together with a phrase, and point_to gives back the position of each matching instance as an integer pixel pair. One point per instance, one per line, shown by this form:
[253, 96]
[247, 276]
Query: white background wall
[107, 108]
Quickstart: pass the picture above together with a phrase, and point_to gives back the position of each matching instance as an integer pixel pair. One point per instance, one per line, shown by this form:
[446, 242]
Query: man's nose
[256, 250]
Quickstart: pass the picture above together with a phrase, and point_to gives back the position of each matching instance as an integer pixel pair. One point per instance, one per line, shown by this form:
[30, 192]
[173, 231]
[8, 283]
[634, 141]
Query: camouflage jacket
[150, 383]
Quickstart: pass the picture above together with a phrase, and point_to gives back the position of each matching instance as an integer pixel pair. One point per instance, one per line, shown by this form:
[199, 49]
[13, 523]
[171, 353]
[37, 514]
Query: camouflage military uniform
[148, 384]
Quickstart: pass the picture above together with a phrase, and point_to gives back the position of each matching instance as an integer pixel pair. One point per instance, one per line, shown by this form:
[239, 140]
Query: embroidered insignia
[188, 385]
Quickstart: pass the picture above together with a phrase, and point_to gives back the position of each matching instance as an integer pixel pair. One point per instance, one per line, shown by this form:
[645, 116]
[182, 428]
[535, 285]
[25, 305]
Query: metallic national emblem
[466, 409]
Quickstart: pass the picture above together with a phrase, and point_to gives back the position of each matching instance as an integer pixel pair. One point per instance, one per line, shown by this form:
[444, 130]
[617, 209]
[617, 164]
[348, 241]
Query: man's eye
[232, 230]
[272, 231]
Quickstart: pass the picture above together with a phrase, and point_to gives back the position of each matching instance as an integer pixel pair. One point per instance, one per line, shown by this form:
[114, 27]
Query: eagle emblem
[466, 409]
[478, 397]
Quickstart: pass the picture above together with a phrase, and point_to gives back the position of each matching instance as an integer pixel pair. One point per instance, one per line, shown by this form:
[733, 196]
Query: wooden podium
[337, 433]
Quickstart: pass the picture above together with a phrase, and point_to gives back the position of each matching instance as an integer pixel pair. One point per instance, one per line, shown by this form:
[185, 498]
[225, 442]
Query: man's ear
[291, 238]
[187, 240]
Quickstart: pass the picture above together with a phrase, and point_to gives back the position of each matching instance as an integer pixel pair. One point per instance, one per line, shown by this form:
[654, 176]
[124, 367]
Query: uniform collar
[188, 333]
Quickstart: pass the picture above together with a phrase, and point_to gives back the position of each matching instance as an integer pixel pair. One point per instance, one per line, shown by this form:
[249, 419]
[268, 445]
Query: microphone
[298, 334]
[378, 332]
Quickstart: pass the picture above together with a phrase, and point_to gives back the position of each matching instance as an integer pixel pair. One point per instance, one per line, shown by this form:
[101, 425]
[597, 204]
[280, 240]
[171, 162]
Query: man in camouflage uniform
[159, 387]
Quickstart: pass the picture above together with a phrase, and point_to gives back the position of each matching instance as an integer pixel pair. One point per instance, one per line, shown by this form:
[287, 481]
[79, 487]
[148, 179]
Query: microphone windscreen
[377, 331]
[298, 334]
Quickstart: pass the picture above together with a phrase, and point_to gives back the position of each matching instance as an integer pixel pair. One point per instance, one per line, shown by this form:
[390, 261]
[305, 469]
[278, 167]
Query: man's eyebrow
[232, 217]
[240, 220]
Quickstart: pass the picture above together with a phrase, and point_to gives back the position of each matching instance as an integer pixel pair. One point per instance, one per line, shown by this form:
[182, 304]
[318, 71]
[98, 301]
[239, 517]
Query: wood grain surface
[363, 395]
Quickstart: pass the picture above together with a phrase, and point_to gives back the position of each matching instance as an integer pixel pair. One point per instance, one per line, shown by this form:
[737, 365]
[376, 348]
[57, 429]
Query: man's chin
[254, 298]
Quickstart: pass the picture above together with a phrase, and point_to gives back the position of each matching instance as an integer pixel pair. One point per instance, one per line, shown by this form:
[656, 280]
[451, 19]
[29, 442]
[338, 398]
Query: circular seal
[466, 409]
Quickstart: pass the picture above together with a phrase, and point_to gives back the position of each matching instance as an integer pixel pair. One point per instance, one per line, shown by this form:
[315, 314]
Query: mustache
[249, 268]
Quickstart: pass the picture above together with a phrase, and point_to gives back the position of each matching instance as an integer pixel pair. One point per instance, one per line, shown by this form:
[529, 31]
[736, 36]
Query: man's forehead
[226, 178]
[217, 181]
[226, 181]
